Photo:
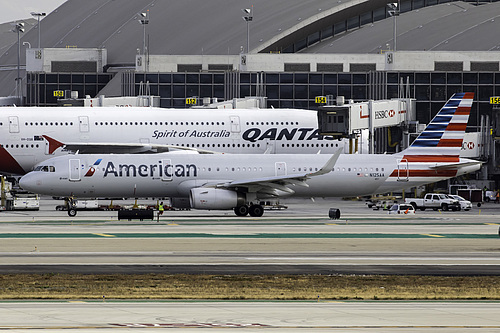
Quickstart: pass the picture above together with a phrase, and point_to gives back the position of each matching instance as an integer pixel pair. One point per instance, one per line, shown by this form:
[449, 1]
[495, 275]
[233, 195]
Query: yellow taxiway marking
[491, 223]
[430, 235]
[104, 235]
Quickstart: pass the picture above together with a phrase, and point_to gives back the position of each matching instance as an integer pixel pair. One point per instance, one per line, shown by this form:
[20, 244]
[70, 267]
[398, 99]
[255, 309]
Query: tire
[414, 205]
[256, 210]
[444, 207]
[72, 212]
[241, 210]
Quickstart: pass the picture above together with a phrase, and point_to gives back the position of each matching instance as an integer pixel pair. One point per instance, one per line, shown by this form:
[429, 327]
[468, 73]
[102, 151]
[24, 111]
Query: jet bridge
[351, 119]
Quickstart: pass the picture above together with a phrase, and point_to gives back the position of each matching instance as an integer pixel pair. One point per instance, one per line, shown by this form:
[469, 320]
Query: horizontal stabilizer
[455, 165]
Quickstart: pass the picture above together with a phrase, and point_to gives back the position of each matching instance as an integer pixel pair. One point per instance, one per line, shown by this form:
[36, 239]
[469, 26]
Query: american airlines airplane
[31, 135]
[239, 182]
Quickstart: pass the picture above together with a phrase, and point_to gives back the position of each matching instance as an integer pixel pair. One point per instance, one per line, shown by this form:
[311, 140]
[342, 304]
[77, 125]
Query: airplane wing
[273, 185]
[129, 148]
[118, 148]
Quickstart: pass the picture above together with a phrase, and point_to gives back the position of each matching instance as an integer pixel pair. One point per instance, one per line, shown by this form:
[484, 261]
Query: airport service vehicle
[474, 195]
[240, 182]
[80, 205]
[381, 204]
[464, 204]
[404, 209]
[15, 199]
[490, 196]
[435, 201]
[30, 135]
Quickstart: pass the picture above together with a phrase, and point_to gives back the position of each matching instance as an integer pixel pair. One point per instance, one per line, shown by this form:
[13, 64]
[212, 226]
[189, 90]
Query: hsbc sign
[383, 114]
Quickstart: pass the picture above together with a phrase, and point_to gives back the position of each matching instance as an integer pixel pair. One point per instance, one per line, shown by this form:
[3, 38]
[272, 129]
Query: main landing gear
[253, 210]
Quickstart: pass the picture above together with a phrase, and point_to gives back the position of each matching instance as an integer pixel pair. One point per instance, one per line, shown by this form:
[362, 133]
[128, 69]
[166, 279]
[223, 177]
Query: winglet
[329, 165]
[53, 144]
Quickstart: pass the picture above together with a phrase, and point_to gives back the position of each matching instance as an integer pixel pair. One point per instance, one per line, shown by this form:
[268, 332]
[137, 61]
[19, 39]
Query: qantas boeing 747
[31, 135]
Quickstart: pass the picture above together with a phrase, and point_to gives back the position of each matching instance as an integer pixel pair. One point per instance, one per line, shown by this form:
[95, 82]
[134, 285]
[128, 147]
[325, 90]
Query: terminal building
[289, 52]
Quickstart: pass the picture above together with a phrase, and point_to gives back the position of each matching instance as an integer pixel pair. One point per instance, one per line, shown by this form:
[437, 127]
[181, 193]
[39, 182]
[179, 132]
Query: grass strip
[248, 287]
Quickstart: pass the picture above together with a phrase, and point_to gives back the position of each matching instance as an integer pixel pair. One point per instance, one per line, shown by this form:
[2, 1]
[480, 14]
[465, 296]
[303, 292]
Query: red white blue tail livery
[435, 153]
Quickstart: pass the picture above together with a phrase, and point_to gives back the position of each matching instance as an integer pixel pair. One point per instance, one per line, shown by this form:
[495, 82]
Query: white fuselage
[175, 174]
[148, 176]
[250, 131]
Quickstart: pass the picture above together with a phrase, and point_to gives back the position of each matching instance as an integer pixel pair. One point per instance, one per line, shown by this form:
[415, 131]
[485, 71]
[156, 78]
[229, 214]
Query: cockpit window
[45, 168]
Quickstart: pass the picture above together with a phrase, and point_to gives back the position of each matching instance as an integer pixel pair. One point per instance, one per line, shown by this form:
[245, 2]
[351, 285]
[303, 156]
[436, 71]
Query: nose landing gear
[70, 203]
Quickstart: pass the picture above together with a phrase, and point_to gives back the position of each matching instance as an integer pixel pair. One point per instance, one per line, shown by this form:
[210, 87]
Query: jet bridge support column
[371, 127]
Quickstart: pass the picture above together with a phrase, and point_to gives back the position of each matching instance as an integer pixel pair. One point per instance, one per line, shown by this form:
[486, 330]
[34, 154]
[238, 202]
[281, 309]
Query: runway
[109, 316]
[301, 239]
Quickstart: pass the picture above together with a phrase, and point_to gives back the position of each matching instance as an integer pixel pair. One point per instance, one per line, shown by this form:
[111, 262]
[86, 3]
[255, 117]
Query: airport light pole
[144, 21]
[19, 28]
[38, 16]
[394, 10]
[248, 18]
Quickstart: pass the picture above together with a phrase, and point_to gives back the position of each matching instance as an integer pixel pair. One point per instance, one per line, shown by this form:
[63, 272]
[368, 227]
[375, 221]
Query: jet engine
[214, 198]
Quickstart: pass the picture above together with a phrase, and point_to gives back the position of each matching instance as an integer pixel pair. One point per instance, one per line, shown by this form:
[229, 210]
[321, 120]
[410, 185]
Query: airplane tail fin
[441, 141]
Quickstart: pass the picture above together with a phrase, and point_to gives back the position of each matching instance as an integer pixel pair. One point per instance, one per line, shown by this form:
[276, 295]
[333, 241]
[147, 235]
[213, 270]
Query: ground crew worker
[160, 210]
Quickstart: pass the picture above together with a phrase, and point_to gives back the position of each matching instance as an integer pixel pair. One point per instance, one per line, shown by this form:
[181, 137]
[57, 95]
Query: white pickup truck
[435, 201]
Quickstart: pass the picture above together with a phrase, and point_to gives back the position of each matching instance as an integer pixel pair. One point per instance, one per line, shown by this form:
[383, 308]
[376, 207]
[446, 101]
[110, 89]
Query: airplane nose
[28, 182]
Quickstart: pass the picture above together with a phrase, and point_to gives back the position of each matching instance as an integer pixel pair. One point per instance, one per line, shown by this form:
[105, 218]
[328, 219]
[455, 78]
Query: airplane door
[74, 170]
[280, 168]
[13, 124]
[84, 124]
[168, 171]
[235, 124]
[403, 172]
[271, 146]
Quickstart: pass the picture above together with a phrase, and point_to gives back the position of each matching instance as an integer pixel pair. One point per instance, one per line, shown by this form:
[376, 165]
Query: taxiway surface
[251, 316]
[300, 239]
